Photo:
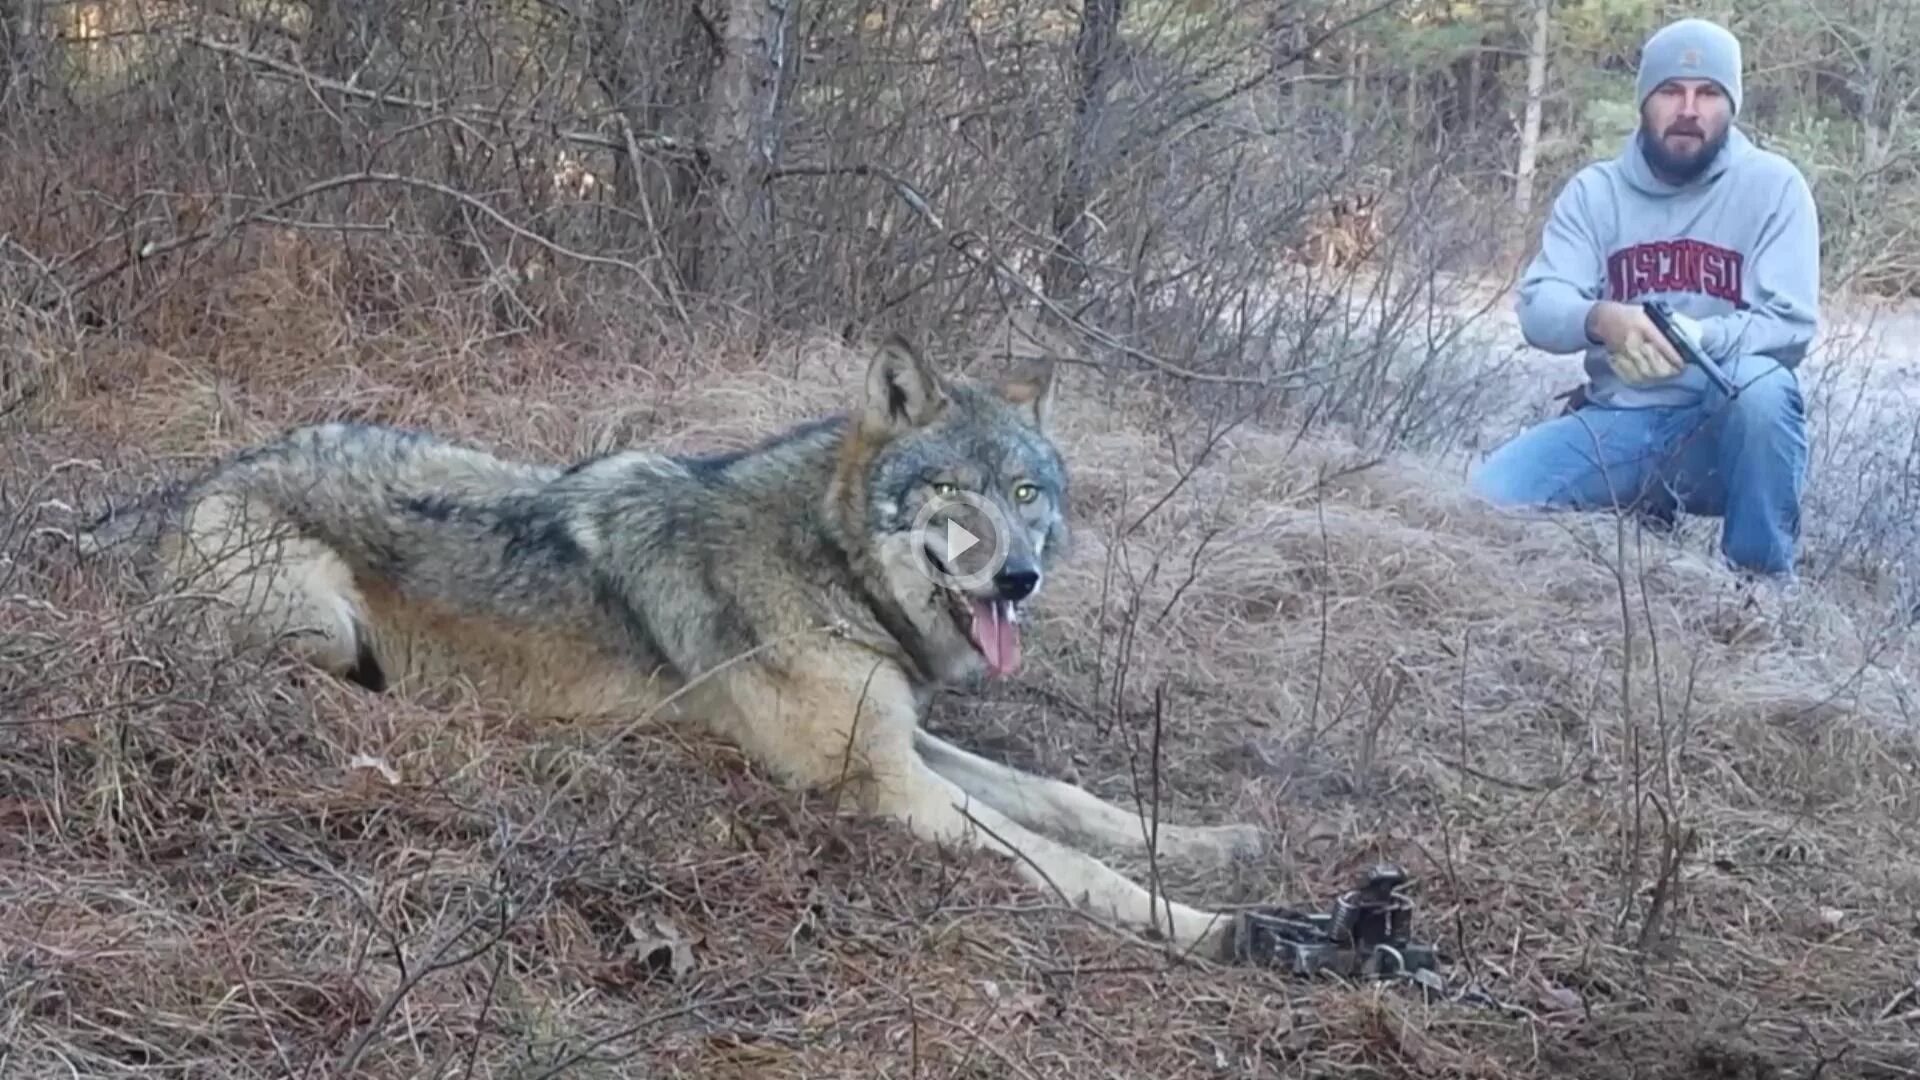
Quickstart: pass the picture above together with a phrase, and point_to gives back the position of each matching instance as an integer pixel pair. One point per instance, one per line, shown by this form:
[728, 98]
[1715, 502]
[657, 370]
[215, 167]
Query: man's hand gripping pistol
[1668, 324]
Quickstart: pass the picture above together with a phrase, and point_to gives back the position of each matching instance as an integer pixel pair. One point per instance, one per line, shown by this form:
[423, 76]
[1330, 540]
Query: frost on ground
[1650, 846]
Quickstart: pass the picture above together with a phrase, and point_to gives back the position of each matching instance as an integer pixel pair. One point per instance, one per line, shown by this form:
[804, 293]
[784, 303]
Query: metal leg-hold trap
[1367, 934]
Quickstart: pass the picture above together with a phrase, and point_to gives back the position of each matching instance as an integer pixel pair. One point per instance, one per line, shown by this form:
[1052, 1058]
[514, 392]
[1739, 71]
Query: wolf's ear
[902, 390]
[1032, 393]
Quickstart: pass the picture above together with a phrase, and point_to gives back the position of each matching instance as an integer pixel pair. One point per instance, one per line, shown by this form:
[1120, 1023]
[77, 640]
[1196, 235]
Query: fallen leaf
[1556, 999]
[659, 946]
[363, 762]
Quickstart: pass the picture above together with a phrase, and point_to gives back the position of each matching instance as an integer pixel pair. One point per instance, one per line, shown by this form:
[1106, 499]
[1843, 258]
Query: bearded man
[1692, 213]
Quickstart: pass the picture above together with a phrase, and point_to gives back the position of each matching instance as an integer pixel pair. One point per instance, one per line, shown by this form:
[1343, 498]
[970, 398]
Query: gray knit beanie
[1691, 49]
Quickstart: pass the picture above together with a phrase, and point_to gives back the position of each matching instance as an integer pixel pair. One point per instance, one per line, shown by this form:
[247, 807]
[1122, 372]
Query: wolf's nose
[1016, 583]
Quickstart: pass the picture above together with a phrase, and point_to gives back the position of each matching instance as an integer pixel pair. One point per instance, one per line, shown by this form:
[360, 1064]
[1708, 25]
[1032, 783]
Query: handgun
[1662, 317]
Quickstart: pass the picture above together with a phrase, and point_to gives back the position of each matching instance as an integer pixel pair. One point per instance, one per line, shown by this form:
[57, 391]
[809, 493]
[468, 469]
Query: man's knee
[1508, 476]
[1495, 487]
[1551, 464]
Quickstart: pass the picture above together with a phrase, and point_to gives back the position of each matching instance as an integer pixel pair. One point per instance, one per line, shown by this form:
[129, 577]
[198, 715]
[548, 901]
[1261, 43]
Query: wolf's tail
[138, 520]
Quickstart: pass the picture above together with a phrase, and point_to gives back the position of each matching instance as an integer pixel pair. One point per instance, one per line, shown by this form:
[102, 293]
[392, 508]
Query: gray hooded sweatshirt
[1737, 249]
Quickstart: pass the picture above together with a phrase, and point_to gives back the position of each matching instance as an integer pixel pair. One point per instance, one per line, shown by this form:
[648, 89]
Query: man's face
[1683, 125]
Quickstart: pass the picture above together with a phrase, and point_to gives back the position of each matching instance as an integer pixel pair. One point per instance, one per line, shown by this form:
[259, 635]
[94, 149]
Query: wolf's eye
[945, 489]
[1025, 493]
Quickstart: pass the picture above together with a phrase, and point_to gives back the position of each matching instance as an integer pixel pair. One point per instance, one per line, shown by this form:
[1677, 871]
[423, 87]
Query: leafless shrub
[567, 184]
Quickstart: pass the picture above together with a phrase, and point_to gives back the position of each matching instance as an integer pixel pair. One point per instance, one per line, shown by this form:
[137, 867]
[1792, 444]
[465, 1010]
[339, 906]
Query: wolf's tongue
[997, 635]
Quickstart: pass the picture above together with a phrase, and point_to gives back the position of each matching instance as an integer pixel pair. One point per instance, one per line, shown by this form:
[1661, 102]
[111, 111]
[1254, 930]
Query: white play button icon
[958, 540]
[953, 555]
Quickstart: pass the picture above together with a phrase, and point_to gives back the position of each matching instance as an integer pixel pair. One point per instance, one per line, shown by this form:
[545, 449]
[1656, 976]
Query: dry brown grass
[213, 866]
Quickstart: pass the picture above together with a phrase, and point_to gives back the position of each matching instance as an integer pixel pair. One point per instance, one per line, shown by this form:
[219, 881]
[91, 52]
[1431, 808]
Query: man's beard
[1674, 167]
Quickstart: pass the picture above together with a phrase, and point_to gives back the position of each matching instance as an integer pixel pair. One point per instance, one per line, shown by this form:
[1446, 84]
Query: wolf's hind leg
[275, 588]
[1056, 807]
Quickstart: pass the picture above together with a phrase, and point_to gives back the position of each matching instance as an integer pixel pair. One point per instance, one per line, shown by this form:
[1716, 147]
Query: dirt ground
[1647, 846]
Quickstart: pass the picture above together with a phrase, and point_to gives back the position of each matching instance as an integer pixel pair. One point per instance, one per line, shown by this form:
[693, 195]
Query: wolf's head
[959, 496]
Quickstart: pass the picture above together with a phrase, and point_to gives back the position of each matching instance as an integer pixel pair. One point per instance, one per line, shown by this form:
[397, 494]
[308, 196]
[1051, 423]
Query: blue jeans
[1743, 461]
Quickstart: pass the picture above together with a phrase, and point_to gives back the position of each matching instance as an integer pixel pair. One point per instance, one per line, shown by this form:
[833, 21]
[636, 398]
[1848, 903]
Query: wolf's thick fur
[778, 590]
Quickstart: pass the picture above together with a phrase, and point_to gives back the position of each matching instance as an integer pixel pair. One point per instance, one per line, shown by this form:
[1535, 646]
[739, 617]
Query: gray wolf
[1691, 212]
[780, 596]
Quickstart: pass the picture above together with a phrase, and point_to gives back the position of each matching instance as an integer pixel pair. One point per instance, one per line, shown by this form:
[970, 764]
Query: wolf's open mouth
[992, 625]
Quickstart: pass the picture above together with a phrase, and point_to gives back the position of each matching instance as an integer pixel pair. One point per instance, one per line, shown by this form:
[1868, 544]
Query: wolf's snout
[1016, 581]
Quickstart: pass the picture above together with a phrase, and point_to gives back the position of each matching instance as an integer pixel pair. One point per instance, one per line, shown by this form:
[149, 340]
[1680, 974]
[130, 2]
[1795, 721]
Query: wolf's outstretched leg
[937, 809]
[828, 717]
[1056, 807]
